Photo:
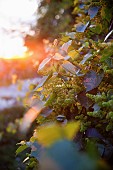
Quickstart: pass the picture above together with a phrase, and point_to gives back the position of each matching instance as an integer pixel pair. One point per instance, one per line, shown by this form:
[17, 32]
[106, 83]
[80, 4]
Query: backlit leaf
[71, 34]
[46, 111]
[43, 63]
[70, 67]
[84, 100]
[81, 27]
[58, 56]
[92, 12]
[37, 103]
[96, 107]
[67, 57]
[92, 80]
[66, 45]
[86, 57]
[42, 81]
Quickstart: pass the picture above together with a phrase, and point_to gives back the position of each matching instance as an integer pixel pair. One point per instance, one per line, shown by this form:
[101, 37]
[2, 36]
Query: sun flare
[12, 48]
[16, 16]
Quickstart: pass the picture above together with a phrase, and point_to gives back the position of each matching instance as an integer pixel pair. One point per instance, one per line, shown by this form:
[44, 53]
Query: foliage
[9, 123]
[54, 148]
[77, 79]
[54, 16]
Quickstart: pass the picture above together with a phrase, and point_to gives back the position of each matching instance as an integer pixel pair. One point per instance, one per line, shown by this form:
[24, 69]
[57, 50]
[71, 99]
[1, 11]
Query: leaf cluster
[77, 76]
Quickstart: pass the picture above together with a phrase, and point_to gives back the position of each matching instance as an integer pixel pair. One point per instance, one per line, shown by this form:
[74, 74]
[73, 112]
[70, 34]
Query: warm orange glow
[30, 116]
[15, 57]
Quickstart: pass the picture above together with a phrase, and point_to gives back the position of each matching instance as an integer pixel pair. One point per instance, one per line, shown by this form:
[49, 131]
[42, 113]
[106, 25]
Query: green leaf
[21, 148]
[50, 99]
[97, 29]
[110, 94]
[106, 13]
[74, 54]
[109, 62]
[92, 12]
[43, 63]
[65, 38]
[81, 27]
[106, 53]
[70, 67]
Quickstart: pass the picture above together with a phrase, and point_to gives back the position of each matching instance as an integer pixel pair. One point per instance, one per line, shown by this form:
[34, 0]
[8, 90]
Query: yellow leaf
[71, 129]
[73, 54]
[65, 38]
[39, 89]
[48, 134]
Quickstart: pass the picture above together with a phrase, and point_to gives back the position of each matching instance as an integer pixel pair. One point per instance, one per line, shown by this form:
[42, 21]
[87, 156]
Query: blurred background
[26, 28]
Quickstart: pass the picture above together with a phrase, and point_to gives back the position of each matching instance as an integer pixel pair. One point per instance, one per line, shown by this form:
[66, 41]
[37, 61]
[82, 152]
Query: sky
[16, 15]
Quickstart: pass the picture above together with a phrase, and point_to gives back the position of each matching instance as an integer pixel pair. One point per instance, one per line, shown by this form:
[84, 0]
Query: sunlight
[16, 18]
[18, 9]
[12, 48]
